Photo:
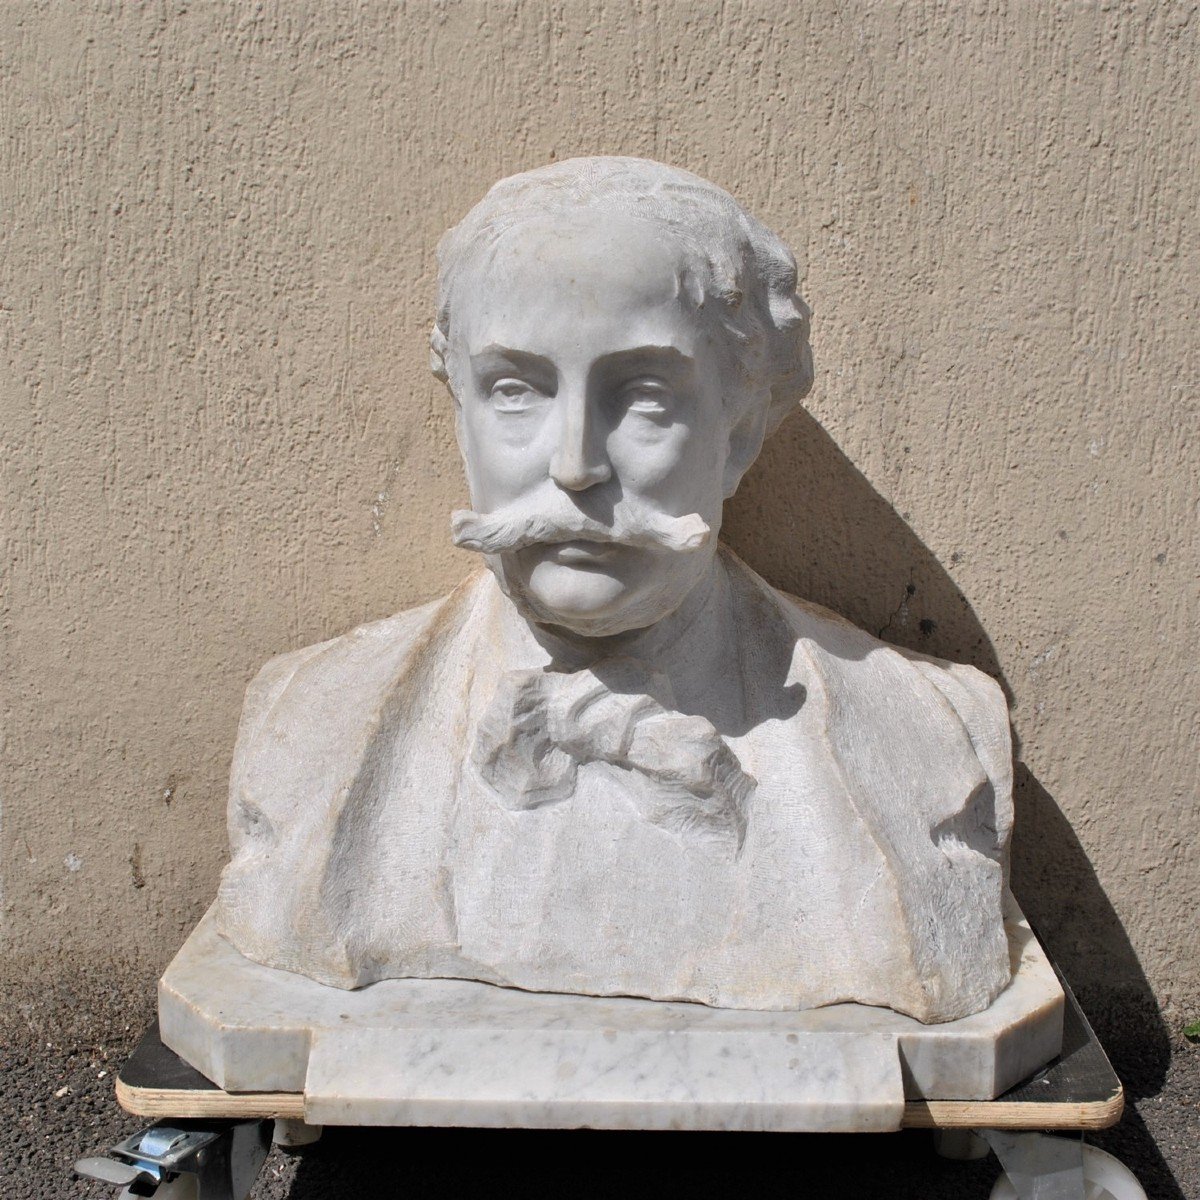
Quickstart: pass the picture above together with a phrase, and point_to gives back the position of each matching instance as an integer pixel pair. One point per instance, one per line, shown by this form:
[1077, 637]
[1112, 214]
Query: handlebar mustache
[518, 525]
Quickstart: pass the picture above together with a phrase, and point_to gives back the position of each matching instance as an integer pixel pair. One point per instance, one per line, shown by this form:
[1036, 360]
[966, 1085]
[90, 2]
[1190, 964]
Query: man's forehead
[542, 279]
[603, 252]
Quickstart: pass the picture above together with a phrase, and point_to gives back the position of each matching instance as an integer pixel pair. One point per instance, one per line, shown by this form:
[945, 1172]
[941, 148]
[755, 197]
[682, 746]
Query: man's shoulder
[317, 703]
[388, 637]
[976, 699]
[316, 737]
[892, 702]
[920, 753]
[832, 645]
[382, 643]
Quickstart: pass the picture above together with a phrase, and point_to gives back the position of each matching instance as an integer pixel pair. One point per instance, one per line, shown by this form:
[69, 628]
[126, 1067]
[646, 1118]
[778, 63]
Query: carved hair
[734, 259]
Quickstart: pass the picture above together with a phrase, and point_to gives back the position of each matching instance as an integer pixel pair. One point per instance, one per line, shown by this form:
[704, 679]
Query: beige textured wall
[221, 440]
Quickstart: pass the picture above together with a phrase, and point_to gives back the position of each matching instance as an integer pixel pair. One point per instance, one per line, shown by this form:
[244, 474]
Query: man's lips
[579, 552]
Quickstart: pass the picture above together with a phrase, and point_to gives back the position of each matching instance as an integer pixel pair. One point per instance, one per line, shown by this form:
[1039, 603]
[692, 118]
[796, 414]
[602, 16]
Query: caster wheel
[182, 1187]
[1104, 1178]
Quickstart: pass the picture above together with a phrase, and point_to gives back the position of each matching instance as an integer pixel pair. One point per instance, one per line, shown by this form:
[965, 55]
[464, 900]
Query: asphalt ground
[61, 1047]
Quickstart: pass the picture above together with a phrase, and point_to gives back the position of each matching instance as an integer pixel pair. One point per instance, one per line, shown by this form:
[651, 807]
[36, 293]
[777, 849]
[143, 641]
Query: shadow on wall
[808, 521]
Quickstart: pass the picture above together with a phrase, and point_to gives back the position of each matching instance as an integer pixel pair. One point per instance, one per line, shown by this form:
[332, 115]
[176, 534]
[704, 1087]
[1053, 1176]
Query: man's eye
[512, 395]
[646, 396]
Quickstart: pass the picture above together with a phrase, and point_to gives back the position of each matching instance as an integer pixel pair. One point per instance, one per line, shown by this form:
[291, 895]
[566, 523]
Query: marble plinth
[454, 1052]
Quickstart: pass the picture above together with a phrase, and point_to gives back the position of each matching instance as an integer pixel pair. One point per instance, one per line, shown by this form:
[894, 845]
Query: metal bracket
[1039, 1167]
[222, 1157]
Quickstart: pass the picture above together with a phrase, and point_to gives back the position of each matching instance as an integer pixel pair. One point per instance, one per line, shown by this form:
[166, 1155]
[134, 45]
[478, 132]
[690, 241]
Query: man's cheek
[663, 463]
[503, 472]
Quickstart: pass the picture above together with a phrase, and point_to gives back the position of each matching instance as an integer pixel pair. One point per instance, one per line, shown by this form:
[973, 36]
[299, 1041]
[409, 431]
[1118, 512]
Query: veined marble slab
[455, 1052]
[605, 1079]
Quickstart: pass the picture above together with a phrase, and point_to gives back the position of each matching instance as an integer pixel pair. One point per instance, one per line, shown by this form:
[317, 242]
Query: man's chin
[583, 597]
[596, 595]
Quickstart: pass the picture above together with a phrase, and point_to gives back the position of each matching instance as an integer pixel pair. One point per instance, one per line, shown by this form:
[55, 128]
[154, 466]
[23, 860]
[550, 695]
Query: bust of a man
[614, 761]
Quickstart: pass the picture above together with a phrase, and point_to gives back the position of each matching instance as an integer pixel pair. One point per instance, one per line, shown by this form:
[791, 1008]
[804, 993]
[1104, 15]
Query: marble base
[453, 1052]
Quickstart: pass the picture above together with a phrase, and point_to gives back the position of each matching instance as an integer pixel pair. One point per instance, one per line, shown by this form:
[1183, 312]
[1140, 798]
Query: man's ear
[745, 441]
[458, 427]
[443, 371]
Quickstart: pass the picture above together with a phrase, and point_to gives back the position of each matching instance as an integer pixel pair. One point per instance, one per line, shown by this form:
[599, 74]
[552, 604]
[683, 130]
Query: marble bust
[615, 761]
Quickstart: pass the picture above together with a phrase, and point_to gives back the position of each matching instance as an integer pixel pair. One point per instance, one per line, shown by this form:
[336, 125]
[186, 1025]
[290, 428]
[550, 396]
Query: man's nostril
[575, 473]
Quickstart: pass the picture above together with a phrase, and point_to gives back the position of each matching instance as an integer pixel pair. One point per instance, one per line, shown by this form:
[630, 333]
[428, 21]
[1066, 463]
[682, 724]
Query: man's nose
[580, 459]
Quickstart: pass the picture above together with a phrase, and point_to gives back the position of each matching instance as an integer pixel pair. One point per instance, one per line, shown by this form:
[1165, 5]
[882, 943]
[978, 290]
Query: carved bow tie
[543, 725]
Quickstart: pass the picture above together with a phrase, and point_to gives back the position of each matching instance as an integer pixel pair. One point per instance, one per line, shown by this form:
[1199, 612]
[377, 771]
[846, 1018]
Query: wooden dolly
[210, 1144]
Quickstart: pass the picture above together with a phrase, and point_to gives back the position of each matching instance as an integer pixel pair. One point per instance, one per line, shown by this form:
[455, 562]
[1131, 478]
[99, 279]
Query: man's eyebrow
[493, 352]
[661, 356]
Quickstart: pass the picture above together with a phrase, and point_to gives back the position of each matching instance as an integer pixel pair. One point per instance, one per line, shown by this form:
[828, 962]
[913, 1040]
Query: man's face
[585, 379]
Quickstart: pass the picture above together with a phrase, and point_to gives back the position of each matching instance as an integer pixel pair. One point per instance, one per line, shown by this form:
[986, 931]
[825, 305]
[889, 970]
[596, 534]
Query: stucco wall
[221, 440]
